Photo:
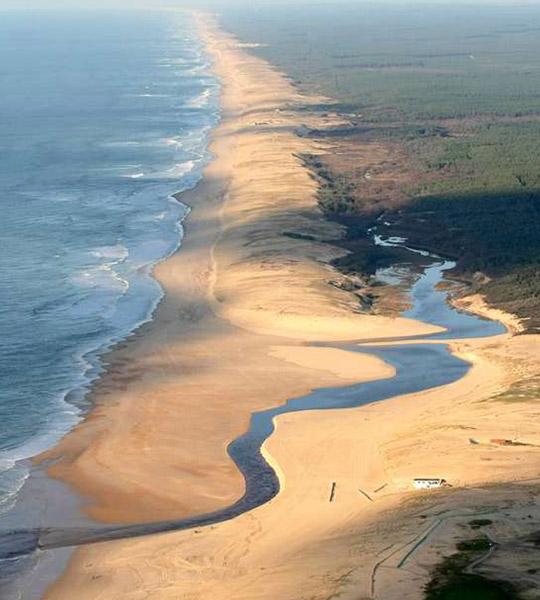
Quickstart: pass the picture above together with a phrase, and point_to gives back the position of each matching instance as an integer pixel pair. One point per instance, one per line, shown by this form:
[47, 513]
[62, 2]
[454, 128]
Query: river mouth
[420, 364]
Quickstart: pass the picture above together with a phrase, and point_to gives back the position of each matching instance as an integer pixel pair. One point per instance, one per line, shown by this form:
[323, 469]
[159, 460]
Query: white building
[428, 484]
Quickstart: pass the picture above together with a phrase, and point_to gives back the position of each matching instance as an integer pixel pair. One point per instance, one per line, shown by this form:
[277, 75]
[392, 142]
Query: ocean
[103, 116]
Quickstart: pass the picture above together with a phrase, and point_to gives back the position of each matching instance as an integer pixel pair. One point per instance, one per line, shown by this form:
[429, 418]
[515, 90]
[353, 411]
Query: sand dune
[241, 301]
[189, 380]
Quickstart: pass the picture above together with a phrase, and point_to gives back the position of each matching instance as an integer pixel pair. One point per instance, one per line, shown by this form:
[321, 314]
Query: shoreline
[124, 267]
[189, 289]
[213, 297]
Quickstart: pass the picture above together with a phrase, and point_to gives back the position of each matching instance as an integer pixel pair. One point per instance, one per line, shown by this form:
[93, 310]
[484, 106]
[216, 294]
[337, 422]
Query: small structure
[427, 483]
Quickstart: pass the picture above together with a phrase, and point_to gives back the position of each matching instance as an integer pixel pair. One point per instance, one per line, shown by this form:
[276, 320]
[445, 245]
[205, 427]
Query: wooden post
[332, 492]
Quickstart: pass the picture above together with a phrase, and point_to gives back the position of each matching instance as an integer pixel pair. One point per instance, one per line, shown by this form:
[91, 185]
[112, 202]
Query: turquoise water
[103, 115]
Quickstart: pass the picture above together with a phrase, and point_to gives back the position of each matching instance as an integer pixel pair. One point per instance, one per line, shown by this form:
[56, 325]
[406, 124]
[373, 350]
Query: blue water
[102, 117]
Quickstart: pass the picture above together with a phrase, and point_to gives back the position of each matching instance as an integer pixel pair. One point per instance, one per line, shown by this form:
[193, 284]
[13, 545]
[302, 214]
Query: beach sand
[241, 301]
[175, 395]
[301, 545]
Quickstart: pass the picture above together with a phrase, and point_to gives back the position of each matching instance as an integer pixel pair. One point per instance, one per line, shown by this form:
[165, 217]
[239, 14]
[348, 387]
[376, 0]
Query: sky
[224, 3]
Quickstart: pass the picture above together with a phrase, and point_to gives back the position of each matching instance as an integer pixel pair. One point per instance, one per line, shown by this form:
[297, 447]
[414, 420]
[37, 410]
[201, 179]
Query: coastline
[189, 341]
[225, 317]
[98, 287]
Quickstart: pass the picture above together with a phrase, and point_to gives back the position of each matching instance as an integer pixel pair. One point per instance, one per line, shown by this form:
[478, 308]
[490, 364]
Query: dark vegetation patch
[452, 94]
[338, 195]
[481, 544]
[497, 234]
[534, 538]
[364, 257]
[298, 236]
[470, 587]
[477, 229]
[336, 192]
[486, 228]
[479, 523]
[450, 581]
[376, 132]
[376, 66]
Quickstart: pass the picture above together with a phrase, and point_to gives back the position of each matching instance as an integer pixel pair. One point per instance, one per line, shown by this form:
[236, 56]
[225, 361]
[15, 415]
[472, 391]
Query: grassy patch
[525, 390]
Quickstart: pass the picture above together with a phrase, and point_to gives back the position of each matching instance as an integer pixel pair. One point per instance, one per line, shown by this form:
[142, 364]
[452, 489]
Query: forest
[452, 97]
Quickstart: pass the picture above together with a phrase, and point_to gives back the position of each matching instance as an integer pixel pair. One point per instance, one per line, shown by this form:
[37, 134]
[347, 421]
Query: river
[421, 363]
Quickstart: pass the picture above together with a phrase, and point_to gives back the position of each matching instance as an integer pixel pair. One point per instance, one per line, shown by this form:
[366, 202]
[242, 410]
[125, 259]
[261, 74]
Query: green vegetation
[486, 232]
[470, 587]
[394, 62]
[337, 197]
[481, 544]
[336, 193]
[479, 523]
[458, 89]
[495, 233]
[483, 158]
[449, 580]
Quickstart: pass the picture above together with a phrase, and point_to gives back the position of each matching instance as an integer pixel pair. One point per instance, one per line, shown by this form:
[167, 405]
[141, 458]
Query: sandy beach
[237, 289]
[246, 292]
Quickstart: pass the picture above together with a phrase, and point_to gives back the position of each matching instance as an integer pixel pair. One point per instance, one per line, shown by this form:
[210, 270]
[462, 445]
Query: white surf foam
[177, 171]
[104, 275]
[153, 95]
[119, 252]
[201, 100]
[131, 295]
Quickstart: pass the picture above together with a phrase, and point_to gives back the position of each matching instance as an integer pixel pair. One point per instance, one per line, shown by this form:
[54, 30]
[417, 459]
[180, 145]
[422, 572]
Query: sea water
[103, 116]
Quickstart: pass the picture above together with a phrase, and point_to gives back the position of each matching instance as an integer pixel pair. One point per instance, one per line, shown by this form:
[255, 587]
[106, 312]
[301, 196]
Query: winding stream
[419, 366]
